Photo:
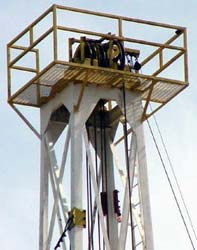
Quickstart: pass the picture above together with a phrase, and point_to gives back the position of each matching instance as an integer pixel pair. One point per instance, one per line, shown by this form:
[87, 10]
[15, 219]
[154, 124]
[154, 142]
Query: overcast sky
[19, 148]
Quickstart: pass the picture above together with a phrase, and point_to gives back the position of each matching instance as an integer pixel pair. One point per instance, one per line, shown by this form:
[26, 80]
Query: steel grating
[163, 92]
[56, 76]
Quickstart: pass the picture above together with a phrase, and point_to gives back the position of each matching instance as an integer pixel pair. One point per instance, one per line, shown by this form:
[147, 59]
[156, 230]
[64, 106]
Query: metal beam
[96, 191]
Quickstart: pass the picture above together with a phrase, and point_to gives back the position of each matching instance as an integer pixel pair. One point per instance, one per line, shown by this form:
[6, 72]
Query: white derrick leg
[59, 220]
[110, 187]
[134, 113]
[126, 202]
[136, 214]
[144, 189]
[57, 190]
[96, 191]
[76, 235]
[46, 232]
[55, 171]
[59, 181]
[77, 134]
[44, 176]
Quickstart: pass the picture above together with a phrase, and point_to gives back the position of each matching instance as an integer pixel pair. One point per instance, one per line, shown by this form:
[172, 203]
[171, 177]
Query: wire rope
[88, 205]
[171, 186]
[105, 157]
[127, 162]
[91, 242]
[101, 144]
[91, 215]
[69, 226]
[97, 179]
[102, 158]
[175, 178]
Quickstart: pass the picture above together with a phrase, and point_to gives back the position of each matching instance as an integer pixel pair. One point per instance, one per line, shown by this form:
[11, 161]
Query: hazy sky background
[19, 148]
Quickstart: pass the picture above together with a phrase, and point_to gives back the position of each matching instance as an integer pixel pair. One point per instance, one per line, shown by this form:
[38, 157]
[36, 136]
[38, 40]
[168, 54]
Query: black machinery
[105, 53]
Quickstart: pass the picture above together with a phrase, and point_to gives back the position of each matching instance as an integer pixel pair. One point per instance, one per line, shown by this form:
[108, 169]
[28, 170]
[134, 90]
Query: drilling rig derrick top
[96, 56]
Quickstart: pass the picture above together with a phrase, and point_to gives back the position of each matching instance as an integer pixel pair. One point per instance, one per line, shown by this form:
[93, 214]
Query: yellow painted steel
[78, 217]
[152, 87]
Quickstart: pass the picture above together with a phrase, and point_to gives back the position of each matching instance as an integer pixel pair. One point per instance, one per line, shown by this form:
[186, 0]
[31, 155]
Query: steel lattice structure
[96, 109]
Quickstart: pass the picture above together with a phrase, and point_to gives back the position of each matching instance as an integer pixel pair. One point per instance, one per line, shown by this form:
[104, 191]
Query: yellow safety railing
[17, 50]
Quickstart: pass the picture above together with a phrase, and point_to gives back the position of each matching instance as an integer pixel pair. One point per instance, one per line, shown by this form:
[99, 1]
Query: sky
[19, 148]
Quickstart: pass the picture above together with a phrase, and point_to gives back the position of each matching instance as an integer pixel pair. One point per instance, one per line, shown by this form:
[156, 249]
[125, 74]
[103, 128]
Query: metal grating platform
[30, 61]
[54, 78]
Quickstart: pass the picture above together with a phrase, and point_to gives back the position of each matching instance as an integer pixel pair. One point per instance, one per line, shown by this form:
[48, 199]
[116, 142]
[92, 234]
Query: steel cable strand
[97, 179]
[105, 155]
[91, 210]
[101, 153]
[127, 162]
[171, 187]
[69, 226]
[90, 198]
[87, 197]
[175, 178]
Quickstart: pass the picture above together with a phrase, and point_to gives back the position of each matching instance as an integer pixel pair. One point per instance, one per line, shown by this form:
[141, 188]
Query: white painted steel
[126, 200]
[136, 214]
[77, 136]
[134, 111]
[110, 187]
[97, 193]
[57, 189]
[55, 173]
[54, 210]
[44, 182]
[144, 189]
[76, 235]
[57, 209]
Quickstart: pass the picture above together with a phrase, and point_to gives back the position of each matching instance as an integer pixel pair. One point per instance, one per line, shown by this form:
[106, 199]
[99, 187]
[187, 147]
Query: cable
[91, 215]
[105, 157]
[90, 199]
[127, 162]
[101, 143]
[88, 206]
[69, 226]
[172, 189]
[97, 179]
[175, 178]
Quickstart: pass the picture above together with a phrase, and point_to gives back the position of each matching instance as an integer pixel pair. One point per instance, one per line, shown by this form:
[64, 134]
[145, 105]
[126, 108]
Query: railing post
[185, 55]
[120, 27]
[31, 36]
[8, 73]
[55, 32]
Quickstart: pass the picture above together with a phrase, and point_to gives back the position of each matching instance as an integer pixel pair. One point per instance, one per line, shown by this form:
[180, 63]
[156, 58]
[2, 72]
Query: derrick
[94, 89]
